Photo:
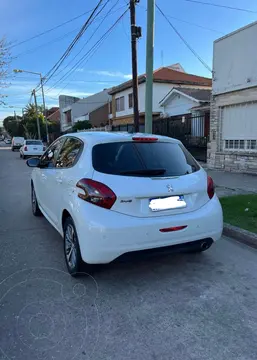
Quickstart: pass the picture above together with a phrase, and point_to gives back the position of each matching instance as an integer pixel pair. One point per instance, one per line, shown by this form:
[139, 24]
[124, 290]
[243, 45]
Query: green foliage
[81, 125]
[27, 126]
[241, 211]
[13, 127]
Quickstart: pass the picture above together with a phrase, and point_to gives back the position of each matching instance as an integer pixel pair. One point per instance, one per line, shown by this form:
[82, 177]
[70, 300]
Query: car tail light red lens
[174, 228]
[96, 193]
[145, 139]
[210, 187]
[25, 148]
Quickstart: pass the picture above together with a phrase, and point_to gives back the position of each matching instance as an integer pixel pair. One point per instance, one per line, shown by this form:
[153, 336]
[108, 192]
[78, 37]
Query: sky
[110, 64]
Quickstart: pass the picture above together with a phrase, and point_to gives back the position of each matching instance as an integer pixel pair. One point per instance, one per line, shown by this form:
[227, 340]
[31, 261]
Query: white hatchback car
[32, 147]
[109, 194]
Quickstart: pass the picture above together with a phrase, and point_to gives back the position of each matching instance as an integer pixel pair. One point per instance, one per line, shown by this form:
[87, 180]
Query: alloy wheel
[70, 246]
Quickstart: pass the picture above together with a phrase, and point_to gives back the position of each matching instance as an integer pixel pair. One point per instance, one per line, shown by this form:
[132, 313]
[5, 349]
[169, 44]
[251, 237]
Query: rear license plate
[34, 148]
[172, 202]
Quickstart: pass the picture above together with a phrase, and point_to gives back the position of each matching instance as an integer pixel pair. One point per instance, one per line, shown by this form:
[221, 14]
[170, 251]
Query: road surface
[199, 307]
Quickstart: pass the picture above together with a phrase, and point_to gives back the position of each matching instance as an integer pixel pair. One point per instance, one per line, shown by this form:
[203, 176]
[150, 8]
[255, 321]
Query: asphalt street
[183, 306]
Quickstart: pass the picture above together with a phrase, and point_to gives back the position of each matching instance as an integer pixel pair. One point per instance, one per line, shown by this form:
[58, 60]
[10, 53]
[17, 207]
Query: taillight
[44, 148]
[144, 139]
[25, 148]
[96, 193]
[174, 228]
[210, 187]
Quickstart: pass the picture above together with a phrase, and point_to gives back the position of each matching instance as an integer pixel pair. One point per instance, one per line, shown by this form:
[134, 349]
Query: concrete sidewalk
[228, 183]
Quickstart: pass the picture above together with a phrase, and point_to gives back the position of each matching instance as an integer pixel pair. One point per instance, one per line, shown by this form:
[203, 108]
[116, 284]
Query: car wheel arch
[65, 216]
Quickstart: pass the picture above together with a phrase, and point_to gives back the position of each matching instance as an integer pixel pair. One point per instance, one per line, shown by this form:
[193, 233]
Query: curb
[241, 235]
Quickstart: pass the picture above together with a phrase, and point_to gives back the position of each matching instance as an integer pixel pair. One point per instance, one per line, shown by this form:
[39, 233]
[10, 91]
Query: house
[53, 115]
[164, 80]
[193, 102]
[93, 108]
[233, 125]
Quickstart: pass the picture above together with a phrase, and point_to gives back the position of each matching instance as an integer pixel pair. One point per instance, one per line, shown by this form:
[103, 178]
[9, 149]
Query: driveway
[184, 306]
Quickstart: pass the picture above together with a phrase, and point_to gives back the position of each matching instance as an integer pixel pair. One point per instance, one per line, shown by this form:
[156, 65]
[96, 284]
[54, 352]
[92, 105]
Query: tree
[30, 111]
[13, 126]
[5, 60]
[81, 125]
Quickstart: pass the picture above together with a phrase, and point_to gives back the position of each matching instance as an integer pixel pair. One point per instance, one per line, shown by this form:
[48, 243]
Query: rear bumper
[16, 146]
[105, 235]
[35, 153]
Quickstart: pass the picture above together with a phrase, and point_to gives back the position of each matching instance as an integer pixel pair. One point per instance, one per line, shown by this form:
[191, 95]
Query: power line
[222, 6]
[184, 41]
[57, 65]
[29, 51]
[194, 24]
[188, 22]
[49, 30]
[103, 19]
[89, 53]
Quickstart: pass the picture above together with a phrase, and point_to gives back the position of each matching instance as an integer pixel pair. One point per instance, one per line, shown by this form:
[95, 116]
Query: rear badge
[125, 201]
[170, 188]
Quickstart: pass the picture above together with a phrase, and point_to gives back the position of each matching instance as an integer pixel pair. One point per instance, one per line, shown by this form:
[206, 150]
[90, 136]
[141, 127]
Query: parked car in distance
[109, 194]
[32, 147]
[17, 142]
[7, 141]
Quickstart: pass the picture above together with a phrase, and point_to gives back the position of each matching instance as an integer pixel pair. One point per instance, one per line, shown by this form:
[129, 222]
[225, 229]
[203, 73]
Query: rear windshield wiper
[143, 172]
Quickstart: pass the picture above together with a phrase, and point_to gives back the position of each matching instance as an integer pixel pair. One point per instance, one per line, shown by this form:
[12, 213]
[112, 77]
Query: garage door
[239, 126]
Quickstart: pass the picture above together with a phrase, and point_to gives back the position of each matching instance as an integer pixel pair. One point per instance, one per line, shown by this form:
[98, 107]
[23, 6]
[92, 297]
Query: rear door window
[69, 153]
[143, 159]
[34, 142]
[49, 158]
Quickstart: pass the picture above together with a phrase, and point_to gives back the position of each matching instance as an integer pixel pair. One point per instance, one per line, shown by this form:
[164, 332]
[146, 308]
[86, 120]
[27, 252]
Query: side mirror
[33, 162]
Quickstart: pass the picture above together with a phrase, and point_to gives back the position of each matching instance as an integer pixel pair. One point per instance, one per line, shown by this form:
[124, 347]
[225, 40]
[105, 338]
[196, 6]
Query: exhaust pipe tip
[204, 245]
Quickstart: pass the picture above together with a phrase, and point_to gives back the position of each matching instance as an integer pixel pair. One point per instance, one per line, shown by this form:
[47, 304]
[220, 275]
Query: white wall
[65, 101]
[179, 105]
[126, 110]
[160, 90]
[234, 60]
[90, 103]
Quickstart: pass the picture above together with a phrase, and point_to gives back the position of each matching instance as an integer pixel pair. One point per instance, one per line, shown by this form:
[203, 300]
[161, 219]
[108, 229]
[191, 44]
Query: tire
[72, 253]
[20, 156]
[12, 149]
[24, 157]
[34, 204]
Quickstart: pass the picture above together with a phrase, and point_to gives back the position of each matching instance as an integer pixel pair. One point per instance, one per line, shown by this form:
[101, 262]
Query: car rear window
[34, 142]
[143, 159]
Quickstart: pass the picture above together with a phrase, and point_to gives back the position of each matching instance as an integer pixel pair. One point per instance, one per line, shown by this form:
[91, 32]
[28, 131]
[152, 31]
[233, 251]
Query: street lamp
[43, 95]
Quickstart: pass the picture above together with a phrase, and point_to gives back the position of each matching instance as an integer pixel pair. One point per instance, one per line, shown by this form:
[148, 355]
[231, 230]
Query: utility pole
[38, 125]
[44, 108]
[149, 67]
[135, 34]
[15, 116]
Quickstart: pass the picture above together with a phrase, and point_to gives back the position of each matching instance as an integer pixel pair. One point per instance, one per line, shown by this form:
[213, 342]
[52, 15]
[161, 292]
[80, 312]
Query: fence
[190, 130]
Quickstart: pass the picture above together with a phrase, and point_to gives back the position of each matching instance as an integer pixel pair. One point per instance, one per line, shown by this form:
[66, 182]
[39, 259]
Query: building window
[68, 117]
[240, 145]
[130, 100]
[110, 107]
[119, 102]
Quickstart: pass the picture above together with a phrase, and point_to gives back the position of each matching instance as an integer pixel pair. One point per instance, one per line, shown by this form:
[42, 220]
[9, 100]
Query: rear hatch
[150, 178]
[34, 145]
[18, 141]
